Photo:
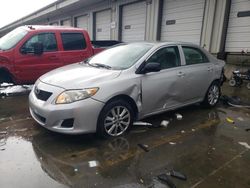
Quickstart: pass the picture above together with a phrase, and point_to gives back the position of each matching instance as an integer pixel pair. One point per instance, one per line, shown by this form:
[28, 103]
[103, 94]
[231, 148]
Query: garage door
[66, 22]
[133, 22]
[103, 21]
[54, 23]
[238, 33]
[82, 22]
[182, 20]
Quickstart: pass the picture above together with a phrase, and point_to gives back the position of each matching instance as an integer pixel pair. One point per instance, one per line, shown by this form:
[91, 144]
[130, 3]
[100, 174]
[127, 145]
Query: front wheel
[115, 119]
[212, 95]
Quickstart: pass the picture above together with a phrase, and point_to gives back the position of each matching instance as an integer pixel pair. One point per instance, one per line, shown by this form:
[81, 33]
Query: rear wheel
[212, 95]
[115, 119]
[5, 77]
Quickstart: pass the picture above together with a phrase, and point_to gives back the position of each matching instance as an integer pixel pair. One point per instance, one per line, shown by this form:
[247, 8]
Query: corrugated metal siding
[188, 16]
[103, 21]
[133, 22]
[238, 33]
[82, 22]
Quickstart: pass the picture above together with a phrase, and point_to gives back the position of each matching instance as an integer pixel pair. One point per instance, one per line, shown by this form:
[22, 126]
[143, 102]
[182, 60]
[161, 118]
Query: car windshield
[12, 38]
[120, 57]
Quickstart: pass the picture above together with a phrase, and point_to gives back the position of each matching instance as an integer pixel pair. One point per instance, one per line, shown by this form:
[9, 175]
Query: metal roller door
[133, 22]
[66, 22]
[103, 21]
[82, 22]
[238, 32]
[182, 20]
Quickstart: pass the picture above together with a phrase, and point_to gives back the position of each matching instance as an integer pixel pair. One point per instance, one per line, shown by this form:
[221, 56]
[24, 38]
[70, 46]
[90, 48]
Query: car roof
[50, 27]
[159, 43]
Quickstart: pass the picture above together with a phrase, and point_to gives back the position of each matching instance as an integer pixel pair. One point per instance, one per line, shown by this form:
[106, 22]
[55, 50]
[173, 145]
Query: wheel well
[6, 74]
[127, 99]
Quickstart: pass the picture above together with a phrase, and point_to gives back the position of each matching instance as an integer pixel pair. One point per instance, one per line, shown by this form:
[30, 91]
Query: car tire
[115, 119]
[212, 95]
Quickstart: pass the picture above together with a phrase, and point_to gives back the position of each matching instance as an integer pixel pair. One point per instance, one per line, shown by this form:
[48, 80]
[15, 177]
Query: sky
[12, 10]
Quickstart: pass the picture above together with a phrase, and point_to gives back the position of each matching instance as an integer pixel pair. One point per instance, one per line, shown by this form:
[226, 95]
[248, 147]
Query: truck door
[75, 47]
[31, 66]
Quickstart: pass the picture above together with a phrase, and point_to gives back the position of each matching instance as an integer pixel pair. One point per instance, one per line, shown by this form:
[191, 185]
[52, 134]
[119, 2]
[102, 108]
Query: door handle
[210, 69]
[181, 74]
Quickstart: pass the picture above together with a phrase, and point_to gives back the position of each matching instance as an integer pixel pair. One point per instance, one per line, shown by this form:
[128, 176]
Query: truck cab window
[73, 41]
[47, 39]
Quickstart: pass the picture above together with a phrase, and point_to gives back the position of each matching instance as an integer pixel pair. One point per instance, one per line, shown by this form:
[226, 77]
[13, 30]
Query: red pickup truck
[28, 52]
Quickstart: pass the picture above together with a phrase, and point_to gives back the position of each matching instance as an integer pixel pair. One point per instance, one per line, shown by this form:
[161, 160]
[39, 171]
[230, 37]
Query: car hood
[78, 76]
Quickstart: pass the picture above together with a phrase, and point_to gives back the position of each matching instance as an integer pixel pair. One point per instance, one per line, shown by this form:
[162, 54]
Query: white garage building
[220, 26]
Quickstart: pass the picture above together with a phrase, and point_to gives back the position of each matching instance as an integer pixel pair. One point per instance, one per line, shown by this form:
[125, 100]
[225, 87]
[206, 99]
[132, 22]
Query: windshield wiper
[100, 65]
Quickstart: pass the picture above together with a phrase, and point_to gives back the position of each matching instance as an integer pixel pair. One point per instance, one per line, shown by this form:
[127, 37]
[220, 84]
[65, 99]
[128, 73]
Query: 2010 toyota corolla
[106, 93]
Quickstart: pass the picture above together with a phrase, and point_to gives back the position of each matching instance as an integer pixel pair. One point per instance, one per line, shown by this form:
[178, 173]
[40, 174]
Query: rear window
[73, 41]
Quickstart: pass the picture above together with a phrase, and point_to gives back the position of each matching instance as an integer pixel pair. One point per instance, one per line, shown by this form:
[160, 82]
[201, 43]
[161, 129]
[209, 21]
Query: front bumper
[51, 116]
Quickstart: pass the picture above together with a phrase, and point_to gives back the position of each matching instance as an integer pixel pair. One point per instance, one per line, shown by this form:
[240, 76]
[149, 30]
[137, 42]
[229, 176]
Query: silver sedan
[107, 93]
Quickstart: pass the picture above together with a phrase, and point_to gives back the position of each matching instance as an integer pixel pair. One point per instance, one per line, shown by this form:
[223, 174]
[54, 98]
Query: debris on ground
[178, 116]
[230, 120]
[177, 175]
[6, 84]
[172, 143]
[17, 89]
[144, 147]
[164, 123]
[165, 179]
[193, 130]
[235, 101]
[244, 144]
[182, 131]
[240, 119]
[76, 170]
[247, 129]
[141, 123]
[93, 164]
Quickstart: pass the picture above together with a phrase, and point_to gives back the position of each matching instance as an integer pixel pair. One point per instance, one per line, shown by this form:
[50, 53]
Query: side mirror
[151, 67]
[38, 48]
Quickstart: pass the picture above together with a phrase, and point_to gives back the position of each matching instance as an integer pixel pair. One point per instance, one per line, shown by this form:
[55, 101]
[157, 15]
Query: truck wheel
[212, 95]
[115, 119]
[5, 77]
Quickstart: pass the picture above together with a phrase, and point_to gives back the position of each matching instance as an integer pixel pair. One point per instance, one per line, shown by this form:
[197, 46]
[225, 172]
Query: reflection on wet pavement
[203, 146]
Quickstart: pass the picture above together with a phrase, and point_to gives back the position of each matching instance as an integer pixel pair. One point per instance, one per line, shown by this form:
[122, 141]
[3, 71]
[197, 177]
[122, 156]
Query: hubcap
[117, 121]
[213, 95]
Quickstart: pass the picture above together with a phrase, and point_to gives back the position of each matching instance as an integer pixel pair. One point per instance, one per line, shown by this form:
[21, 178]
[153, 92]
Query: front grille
[42, 95]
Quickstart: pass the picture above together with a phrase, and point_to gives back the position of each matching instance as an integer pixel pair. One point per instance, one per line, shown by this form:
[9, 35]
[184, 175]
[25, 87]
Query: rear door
[74, 47]
[31, 66]
[160, 89]
[198, 73]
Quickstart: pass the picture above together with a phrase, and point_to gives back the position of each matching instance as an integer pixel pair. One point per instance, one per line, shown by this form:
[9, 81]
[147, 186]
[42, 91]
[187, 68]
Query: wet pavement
[204, 146]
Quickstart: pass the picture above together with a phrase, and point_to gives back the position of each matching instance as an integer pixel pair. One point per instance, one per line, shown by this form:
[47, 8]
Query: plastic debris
[93, 164]
[193, 130]
[76, 170]
[3, 132]
[229, 120]
[177, 175]
[172, 143]
[178, 116]
[142, 123]
[144, 147]
[141, 180]
[165, 179]
[6, 84]
[164, 123]
[244, 144]
[182, 131]
[240, 119]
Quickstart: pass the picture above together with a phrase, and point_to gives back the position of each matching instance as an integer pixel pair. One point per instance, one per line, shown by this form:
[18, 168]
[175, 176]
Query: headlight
[75, 95]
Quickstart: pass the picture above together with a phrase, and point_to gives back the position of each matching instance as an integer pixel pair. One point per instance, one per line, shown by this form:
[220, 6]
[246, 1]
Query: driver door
[160, 89]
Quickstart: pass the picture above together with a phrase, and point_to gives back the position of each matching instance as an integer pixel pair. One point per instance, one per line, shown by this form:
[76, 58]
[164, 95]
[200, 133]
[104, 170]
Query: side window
[168, 57]
[194, 56]
[73, 41]
[47, 39]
